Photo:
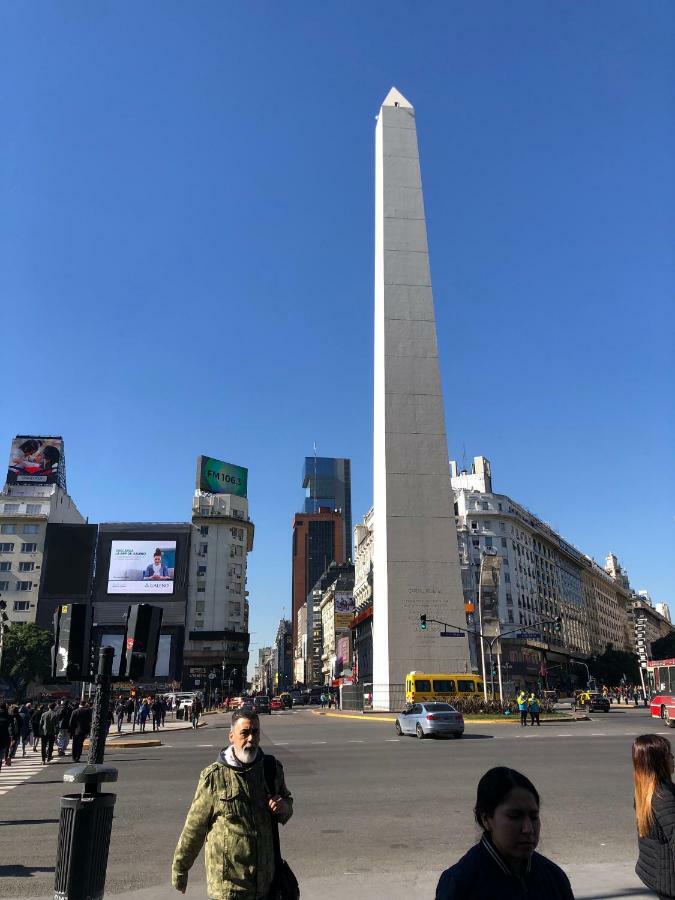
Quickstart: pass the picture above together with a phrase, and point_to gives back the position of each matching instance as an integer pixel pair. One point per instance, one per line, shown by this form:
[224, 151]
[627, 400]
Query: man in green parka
[232, 812]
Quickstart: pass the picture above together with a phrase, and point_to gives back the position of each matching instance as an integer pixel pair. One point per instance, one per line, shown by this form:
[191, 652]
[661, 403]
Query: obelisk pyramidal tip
[396, 98]
[416, 565]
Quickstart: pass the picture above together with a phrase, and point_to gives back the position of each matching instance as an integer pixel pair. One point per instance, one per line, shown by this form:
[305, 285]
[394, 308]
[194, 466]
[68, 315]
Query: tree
[613, 665]
[664, 648]
[27, 654]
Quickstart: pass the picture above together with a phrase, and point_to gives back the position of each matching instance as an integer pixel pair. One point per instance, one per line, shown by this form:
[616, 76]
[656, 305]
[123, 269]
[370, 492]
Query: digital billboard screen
[217, 477]
[142, 567]
[36, 460]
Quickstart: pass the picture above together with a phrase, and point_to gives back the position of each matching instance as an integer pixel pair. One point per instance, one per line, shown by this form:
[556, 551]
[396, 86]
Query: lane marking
[205, 745]
[319, 742]
[598, 734]
[393, 740]
[356, 742]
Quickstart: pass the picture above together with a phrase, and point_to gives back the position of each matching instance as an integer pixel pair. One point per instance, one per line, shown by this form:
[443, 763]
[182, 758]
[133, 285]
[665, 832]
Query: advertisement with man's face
[36, 460]
[141, 567]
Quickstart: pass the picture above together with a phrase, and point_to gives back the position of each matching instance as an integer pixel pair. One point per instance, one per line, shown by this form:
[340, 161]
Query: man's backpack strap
[270, 772]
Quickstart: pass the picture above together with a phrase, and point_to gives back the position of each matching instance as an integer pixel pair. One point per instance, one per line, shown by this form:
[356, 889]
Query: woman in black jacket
[655, 813]
[504, 864]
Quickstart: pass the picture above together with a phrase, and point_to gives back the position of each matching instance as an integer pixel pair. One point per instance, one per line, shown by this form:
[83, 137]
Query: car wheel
[398, 728]
[419, 731]
[458, 734]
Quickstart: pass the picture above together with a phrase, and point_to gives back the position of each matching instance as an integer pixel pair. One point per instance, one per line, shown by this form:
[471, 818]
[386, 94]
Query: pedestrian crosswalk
[22, 768]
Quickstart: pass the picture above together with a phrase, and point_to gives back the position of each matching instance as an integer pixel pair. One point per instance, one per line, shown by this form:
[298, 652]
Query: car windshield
[439, 707]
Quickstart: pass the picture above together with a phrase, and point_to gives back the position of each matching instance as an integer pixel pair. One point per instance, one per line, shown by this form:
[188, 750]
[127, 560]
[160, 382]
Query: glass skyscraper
[328, 483]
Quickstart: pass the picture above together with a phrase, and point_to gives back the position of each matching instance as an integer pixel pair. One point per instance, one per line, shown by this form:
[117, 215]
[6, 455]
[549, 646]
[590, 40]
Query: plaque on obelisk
[416, 563]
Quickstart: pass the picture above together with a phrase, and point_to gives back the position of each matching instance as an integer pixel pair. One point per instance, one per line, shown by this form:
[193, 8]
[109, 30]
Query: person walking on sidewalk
[64, 712]
[35, 726]
[504, 864]
[80, 726]
[16, 733]
[49, 724]
[120, 710]
[6, 726]
[534, 709]
[234, 812]
[197, 709]
[156, 713]
[522, 707]
[143, 714]
[654, 796]
[25, 712]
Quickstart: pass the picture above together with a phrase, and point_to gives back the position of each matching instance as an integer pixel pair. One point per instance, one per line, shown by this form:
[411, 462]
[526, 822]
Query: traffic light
[423, 622]
[557, 624]
[71, 650]
[141, 642]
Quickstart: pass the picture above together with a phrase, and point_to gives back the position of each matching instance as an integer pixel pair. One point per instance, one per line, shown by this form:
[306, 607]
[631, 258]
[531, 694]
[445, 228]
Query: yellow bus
[421, 686]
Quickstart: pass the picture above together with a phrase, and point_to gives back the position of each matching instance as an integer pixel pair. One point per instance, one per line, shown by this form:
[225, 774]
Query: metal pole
[101, 706]
[480, 624]
[499, 675]
[492, 673]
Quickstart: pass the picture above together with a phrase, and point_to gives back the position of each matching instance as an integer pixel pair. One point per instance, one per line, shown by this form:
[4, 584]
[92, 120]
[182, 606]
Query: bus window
[466, 687]
[446, 686]
[422, 684]
[663, 679]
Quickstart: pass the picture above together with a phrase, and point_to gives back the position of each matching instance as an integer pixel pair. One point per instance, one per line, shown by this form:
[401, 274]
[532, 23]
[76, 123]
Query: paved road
[376, 815]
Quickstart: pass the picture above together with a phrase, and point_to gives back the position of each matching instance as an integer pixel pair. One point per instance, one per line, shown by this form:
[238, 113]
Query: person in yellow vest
[534, 708]
[521, 700]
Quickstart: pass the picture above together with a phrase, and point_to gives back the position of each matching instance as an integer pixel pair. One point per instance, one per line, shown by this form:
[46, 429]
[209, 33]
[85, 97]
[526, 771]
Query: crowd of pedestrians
[46, 726]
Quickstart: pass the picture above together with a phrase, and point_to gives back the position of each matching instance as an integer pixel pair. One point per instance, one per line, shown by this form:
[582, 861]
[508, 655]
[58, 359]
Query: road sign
[452, 634]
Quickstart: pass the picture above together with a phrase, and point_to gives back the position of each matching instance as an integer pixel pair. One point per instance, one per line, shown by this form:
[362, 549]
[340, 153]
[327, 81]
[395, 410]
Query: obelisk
[416, 563]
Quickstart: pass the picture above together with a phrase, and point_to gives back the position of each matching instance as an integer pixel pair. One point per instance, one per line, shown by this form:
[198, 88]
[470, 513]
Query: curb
[126, 745]
[368, 717]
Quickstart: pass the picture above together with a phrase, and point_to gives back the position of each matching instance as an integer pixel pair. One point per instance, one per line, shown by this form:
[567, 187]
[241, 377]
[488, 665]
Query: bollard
[85, 824]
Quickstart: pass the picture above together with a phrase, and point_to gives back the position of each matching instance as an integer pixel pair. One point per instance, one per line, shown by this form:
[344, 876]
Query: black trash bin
[84, 839]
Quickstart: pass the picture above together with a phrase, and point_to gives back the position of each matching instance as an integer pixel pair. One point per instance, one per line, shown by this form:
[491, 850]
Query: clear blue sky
[186, 252]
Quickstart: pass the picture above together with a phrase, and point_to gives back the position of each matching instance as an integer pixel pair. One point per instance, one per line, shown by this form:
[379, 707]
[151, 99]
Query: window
[26, 566]
[235, 550]
[487, 526]
[30, 529]
[503, 542]
[24, 585]
[510, 614]
[484, 504]
[33, 509]
[203, 549]
[11, 508]
[466, 687]
[7, 529]
[6, 548]
[204, 530]
[475, 542]
[235, 609]
[4, 585]
[509, 600]
[5, 566]
[237, 587]
[28, 548]
[474, 526]
[201, 571]
[488, 541]
[507, 577]
[201, 588]
[21, 606]
[502, 526]
[199, 607]
[444, 686]
[499, 506]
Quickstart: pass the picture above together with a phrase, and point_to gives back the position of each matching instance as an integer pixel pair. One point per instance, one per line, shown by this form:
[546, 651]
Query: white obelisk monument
[416, 564]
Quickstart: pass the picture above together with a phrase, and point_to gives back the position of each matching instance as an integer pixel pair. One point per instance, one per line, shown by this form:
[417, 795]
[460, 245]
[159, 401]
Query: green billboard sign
[217, 477]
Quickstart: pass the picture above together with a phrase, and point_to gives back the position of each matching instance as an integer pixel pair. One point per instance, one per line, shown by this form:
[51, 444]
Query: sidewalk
[604, 881]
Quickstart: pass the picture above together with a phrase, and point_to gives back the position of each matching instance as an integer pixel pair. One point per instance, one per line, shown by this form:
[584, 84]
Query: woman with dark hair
[503, 864]
[655, 812]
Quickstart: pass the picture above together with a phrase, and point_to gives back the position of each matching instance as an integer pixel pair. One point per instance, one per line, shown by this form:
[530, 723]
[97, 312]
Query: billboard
[217, 477]
[344, 609]
[36, 460]
[141, 567]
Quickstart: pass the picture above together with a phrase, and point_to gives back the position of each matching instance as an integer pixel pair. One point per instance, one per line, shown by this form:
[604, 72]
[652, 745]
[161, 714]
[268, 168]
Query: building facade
[328, 484]
[362, 623]
[217, 638]
[25, 512]
[336, 608]
[318, 541]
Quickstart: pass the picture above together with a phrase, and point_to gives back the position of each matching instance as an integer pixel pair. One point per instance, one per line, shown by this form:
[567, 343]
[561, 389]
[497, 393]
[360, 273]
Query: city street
[376, 815]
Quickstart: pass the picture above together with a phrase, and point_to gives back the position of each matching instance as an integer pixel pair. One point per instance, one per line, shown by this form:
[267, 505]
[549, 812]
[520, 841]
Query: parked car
[431, 718]
[262, 705]
[276, 703]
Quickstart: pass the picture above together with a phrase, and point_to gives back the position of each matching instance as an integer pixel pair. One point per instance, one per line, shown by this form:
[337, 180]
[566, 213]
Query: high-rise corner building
[328, 484]
[217, 636]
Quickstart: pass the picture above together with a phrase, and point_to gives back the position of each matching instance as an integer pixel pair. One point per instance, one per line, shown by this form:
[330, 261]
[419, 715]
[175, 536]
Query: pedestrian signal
[423, 622]
[557, 624]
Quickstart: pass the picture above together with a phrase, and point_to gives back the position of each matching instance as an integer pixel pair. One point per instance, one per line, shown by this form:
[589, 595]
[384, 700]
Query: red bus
[661, 674]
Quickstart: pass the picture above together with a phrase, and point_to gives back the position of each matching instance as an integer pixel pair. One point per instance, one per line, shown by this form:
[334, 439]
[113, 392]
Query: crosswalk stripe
[22, 768]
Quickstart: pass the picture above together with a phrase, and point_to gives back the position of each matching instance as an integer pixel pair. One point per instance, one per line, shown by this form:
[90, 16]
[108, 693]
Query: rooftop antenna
[314, 476]
[464, 469]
